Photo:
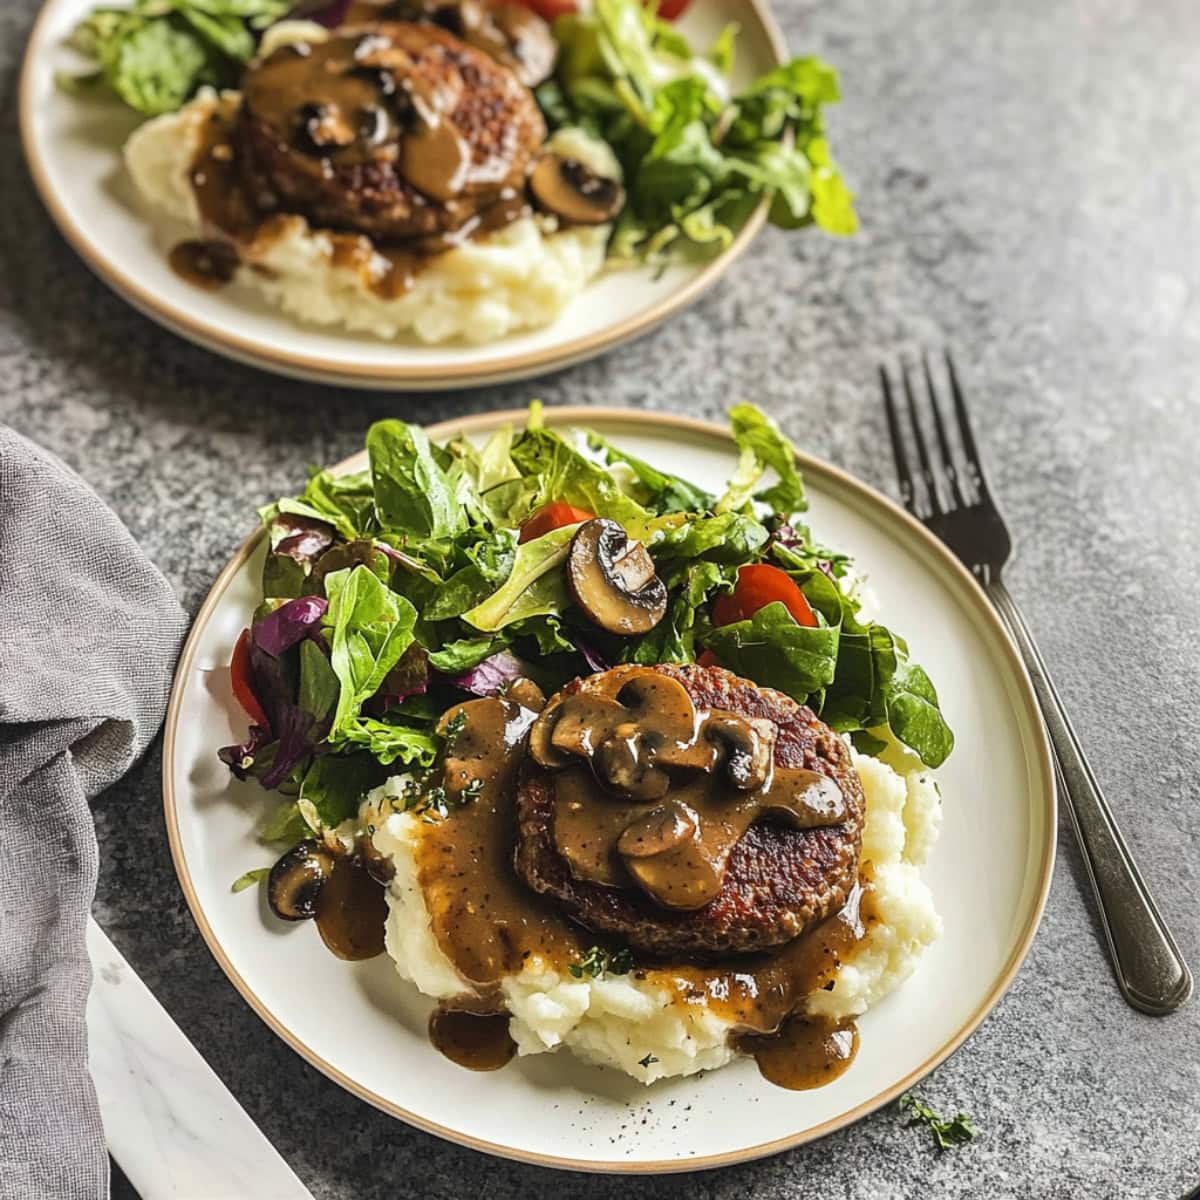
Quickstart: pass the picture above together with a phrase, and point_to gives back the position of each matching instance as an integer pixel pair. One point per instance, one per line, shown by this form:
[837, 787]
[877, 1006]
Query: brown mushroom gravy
[207, 264]
[489, 924]
[663, 792]
[352, 911]
[478, 1041]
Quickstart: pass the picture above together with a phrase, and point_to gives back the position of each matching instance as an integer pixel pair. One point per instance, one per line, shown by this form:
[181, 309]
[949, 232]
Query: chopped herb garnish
[433, 805]
[242, 882]
[645, 1062]
[454, 727]
[471, 791]
[947, 1133]
[598, 961]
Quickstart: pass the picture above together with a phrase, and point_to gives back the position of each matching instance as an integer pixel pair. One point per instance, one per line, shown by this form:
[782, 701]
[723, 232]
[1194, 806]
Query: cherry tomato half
[707, 658]
[670, 9]
[758, 586]
[242, 677]
[548, 10]
[552, 516]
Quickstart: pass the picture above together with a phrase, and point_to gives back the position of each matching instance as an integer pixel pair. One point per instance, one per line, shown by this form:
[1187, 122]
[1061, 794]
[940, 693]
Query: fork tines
[946, 477]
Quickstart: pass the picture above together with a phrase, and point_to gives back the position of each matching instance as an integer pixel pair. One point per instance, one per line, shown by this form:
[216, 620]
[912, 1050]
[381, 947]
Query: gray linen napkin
[89, 632]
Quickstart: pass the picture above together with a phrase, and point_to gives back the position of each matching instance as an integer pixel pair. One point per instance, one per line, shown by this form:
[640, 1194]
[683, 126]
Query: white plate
[72, 145]
[365, 1028]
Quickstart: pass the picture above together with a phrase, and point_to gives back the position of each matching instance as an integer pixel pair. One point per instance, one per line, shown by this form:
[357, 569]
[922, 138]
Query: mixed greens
[439, 573]
[155, 55]
[697, 158]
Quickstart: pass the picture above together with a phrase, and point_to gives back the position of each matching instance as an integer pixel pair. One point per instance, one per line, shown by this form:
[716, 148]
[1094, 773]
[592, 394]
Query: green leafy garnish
[430, 597]
[242, 882]
[598, 961]
[697, 159]
[947, 1133]
[156, 54]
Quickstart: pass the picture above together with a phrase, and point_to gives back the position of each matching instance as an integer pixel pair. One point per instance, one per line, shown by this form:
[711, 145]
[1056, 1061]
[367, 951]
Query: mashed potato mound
[633, 1024]
[519, 277]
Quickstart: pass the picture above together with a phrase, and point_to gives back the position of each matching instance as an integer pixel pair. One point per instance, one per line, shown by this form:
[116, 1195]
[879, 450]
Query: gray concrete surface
[1029, 178]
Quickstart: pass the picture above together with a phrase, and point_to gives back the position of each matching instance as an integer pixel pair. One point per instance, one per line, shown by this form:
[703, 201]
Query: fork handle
[1150, 970]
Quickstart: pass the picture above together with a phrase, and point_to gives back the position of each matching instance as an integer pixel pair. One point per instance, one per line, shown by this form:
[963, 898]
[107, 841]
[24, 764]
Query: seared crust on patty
[779, 880]
[361, 186]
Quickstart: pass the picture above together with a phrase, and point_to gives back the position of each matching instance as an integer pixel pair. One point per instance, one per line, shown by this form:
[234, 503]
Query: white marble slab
[174, 1127]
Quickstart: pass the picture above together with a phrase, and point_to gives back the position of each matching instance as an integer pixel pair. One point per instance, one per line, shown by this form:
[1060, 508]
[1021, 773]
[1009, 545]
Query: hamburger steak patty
[779, 880]
[396, 130]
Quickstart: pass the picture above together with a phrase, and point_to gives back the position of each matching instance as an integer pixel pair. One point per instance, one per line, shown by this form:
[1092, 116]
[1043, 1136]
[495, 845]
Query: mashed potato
[633, 1024]
[520, 277]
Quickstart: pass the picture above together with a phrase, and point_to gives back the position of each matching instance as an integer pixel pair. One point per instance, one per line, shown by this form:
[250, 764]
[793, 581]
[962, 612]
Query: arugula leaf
[411, 490]
[665, 493]
[947, 1133]
[535, 587]
[773, 650]
[318, 684]
[914, 716]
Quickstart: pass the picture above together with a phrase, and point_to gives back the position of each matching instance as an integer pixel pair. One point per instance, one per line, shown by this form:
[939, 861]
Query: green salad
[449, 571]
[698, 156]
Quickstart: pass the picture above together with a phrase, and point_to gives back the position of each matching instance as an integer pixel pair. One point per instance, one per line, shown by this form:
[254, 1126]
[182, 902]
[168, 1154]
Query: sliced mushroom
[324, 128]
[574, 192]
[583, 722]
[527, 694]
[378, 865]
[803, 799]
[613, 581]
[541, 748]
[660, 830]
[747, 746]
[665, 855]
[623, 764]
[295, 883]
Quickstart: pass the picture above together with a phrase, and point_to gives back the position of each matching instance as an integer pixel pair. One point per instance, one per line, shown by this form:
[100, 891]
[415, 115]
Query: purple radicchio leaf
[493, 674]
[290, 623]
[591, 656]
[302, 539]
[270, 755]
[409, 677]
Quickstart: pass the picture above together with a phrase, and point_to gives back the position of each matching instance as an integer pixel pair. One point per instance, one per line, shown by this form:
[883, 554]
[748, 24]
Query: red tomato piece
[548, 10]
[552, 516]
[670, 9]
[707, 658]
[758, 586]
[242, 677]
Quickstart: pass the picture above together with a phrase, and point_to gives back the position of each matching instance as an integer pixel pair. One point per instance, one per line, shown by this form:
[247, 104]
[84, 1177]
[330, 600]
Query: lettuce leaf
[664, 493]
[369, 627]
[534, 588]
[411, 490]
[773, 650]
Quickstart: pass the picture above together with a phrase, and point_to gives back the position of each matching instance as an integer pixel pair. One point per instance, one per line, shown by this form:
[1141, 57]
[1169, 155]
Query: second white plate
[73, 145]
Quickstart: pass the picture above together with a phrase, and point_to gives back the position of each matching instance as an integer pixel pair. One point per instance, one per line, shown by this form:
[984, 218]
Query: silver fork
[957, 506]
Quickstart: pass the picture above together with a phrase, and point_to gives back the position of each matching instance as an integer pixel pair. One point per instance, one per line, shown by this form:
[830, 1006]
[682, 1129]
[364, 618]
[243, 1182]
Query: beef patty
[395, 130]
[779, 880]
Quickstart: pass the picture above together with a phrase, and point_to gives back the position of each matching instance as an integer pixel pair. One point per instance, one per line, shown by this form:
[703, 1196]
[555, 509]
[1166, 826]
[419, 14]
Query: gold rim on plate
[223, 340]
[811, 467]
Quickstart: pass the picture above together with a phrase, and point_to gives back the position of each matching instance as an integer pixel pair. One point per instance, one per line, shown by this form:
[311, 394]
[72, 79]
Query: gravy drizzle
[488, 923]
